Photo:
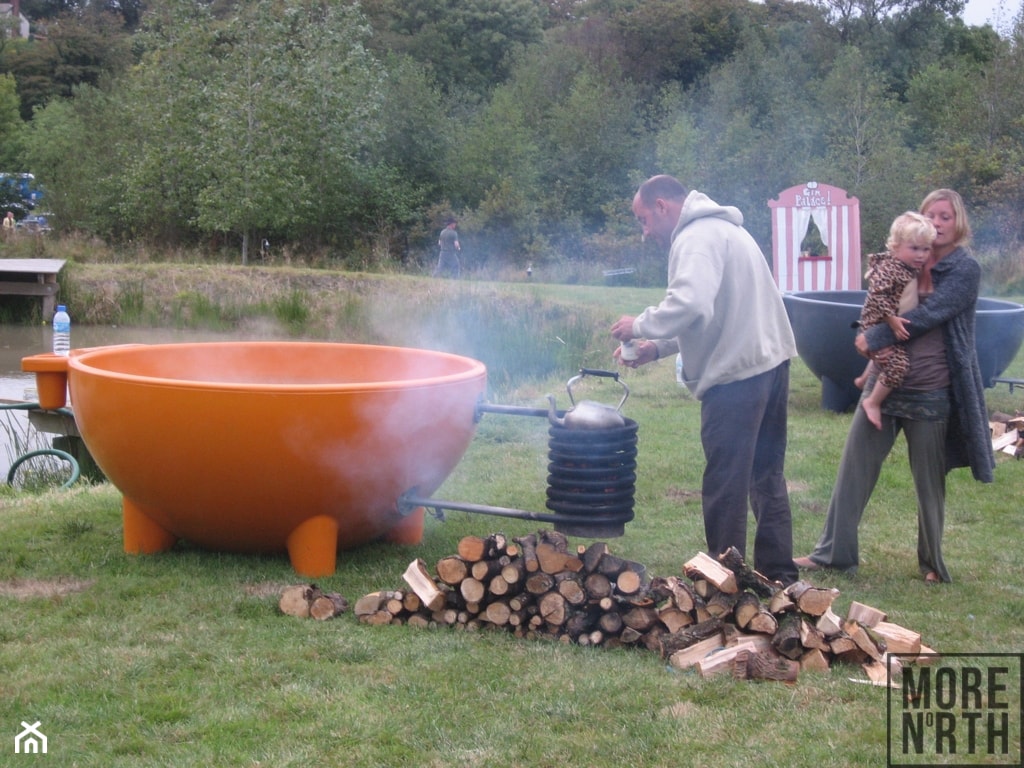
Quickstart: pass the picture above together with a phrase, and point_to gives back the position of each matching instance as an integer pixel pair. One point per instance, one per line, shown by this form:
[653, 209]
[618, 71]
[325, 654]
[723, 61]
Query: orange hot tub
[268, 446]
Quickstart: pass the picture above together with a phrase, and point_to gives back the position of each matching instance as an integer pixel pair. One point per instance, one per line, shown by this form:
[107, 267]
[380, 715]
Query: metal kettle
[588, 414]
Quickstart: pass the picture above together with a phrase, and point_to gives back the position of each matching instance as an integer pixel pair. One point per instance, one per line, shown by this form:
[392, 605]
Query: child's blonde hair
[910, 227]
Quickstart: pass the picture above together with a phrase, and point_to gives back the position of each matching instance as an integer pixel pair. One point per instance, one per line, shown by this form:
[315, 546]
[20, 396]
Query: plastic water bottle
[61, 331]
[679, 370]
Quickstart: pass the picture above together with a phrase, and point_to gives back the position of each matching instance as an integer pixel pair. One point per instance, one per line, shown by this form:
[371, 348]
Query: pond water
[18, 341]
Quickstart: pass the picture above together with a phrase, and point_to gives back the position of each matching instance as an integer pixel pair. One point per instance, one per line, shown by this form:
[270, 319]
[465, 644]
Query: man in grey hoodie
[724, 313]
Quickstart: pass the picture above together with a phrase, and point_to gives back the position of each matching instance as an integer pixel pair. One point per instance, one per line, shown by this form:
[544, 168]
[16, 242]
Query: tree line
[352, 129]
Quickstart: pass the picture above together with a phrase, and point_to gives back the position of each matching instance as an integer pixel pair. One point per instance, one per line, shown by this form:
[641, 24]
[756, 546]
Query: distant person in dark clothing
[448, 260]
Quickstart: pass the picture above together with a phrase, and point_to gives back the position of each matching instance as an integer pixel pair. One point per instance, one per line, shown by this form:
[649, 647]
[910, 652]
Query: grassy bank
[182, 658]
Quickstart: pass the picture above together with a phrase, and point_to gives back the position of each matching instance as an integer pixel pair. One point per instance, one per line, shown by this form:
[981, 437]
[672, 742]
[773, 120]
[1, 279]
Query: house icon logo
[30, 741]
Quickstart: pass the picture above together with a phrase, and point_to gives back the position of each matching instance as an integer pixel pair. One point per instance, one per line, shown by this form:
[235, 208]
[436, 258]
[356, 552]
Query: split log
[579, 623]
[810, 599]
[528, 547]
[879, 674]
[787, 640]
[764, 665]
[746, 608]
[722, 603]
[691, 655]
[684, 638]
[751, 615]
[814, 661]
[898, 639]
[377, 618]
[674, 619]
[597, 586]
[706, 568]
[846, 650]
[329, 605]
[610, 623]
[811, 637]
[452, 570]
[419, 581]
[781, 602]
[551, 560]
[864, 614]
[722, 660]
[497, 613]
[552, 609]
[557, 539]
[540, 583]
[747, 577]
[628, 582]
[572, 590]
[498, 587]
[472, 548]
[674, 589]
[592, 555]
[863, 640]
[630, 636]
[472, 591]
[411, 602]
[295, 601]
[640, 619]
[829, 623]
[373, 602]
[514, 572]
[395, 606]
[484, 570]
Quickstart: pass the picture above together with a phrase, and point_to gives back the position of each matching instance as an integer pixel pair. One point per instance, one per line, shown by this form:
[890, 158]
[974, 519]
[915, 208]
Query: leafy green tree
[72, 147]
[866, 149]
[11, 126]
[466, 44]
[666, 40]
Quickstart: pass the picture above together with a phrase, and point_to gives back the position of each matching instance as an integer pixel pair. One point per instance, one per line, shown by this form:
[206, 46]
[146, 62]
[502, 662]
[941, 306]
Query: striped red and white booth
[837, 216]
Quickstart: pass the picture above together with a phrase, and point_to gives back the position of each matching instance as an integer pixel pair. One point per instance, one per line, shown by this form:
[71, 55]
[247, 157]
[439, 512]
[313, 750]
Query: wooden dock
[32, 277]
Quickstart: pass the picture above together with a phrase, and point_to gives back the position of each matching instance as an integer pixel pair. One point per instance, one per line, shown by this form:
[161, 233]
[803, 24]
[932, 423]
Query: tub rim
[78, 361]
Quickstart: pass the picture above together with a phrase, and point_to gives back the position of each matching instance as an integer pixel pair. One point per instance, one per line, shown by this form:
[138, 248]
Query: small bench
[1012, 382]
[32, 277]
[619, 276]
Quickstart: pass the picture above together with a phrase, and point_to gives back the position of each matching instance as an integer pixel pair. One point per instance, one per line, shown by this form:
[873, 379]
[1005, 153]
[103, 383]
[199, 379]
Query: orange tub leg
[143, 536]
[313, 546]
[409, 531]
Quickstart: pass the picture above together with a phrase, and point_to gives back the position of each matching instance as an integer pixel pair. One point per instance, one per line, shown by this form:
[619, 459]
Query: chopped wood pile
[723, 617]
[1007, 433]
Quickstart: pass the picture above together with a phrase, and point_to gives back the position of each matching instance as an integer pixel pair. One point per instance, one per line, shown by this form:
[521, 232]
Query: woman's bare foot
[932, 578]
[860, 381]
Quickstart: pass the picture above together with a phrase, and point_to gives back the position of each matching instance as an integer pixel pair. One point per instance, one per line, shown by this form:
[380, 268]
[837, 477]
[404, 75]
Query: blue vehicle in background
[19, 193]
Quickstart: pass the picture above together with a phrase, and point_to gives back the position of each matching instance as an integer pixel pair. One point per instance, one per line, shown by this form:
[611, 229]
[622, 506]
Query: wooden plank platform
[32, 277]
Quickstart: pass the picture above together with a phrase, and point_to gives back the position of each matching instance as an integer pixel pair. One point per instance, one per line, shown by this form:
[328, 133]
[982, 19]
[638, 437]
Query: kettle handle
[597, 372]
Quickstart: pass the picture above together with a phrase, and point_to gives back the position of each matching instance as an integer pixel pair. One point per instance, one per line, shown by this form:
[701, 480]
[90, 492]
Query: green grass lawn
[183, 659]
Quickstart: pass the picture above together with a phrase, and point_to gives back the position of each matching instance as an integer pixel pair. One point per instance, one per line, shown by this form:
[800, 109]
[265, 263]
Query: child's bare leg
[861, 380]
[872, 404]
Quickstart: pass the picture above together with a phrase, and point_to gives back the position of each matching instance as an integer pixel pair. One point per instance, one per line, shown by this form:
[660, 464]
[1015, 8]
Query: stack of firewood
[1007, 433]
[723, 616]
